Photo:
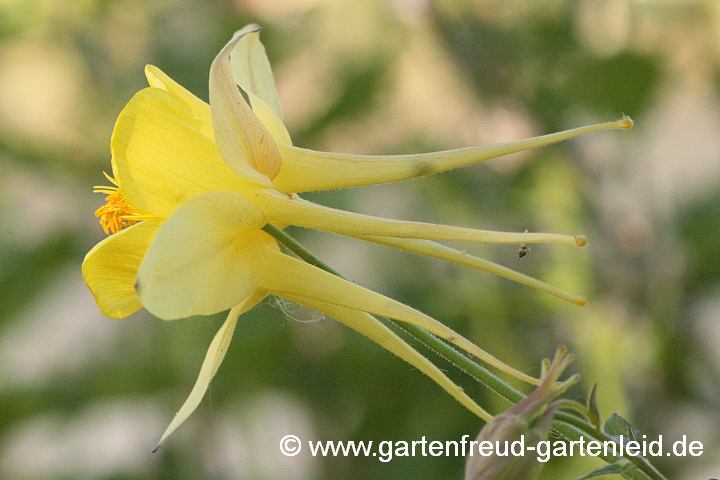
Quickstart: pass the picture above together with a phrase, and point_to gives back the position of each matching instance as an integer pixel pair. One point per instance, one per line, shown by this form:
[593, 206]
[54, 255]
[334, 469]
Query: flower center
[117, 213]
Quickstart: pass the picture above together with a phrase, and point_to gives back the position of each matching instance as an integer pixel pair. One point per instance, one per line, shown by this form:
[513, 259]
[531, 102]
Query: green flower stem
[570, 426]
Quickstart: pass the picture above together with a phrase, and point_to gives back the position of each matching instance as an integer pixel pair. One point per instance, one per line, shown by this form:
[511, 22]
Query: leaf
[593, 408]
[617, 426]
[620, 467]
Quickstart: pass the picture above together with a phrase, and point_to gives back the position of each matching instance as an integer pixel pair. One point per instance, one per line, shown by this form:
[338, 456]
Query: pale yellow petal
[251, 71]
[207, 257]
[443, 252]
[200, 111]
[372, 328]
[213, 359]
[285, 275]
[251, 68]
[302, 213]
[305, 170]
[271, 121]
[109, 269]
[242, 139]
[160, 160]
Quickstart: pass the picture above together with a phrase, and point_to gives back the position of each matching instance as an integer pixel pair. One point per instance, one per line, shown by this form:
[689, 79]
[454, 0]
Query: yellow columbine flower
[195, 183]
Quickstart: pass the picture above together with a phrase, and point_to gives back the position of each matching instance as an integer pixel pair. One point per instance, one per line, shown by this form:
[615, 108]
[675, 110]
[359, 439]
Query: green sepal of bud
[511, 437]
[519, 429]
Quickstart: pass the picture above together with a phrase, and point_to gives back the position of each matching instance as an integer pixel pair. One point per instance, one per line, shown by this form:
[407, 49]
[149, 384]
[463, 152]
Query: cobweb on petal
[295, 311]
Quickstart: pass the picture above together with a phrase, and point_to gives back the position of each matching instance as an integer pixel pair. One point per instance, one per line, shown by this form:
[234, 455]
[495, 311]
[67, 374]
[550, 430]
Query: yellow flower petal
[251, 71]
[109, 269]
[443, 252]
[251, 68]
[271, 121]
[213, 359]
[305, 170]
[285, 275]
[241, 137]
[200, 111]
[372, 328]
[161, 160]
[207, 257]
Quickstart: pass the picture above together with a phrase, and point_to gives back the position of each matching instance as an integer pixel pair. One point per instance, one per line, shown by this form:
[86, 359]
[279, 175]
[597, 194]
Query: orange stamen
[117, 213]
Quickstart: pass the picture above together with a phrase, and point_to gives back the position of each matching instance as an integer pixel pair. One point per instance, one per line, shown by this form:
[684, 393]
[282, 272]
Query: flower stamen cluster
[117, 213]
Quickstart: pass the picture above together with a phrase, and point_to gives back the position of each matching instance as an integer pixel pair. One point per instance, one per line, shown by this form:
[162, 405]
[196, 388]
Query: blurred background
[87, 397]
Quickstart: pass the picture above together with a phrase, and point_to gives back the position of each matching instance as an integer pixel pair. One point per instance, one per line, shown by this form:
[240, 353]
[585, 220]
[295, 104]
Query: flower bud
[519, 430]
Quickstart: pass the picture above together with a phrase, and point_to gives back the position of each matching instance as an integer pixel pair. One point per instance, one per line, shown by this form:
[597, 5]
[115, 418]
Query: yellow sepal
[206, 258]
[213, 359]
